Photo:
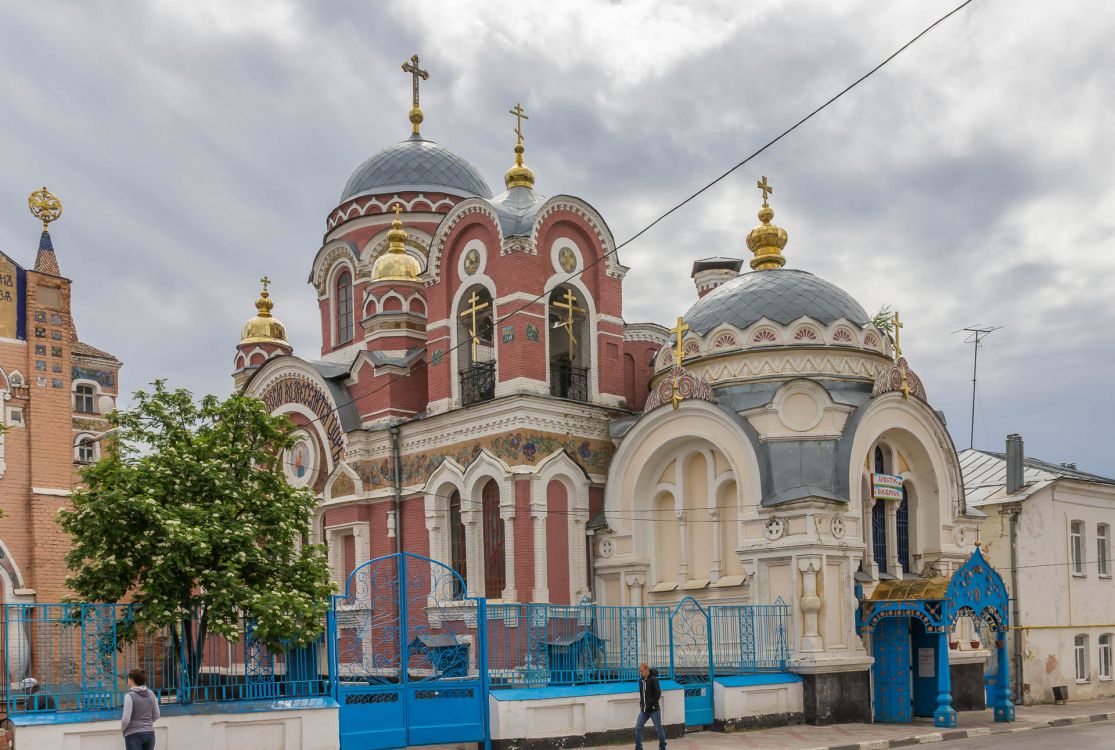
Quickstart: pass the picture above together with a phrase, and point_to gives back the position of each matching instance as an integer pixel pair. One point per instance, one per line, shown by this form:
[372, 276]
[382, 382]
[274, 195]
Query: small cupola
[396, 264]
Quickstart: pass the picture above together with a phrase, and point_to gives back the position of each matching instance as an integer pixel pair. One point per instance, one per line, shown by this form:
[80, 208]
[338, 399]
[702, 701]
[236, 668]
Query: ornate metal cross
[897, 335]
[266, 281]
[766, 188]
[416, 73]
[571, 308]
[679, 330]
[520, 115]
[475, 306]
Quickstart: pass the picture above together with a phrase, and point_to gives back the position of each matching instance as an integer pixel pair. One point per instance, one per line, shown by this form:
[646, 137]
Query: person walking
[141, 711]
[650, 697]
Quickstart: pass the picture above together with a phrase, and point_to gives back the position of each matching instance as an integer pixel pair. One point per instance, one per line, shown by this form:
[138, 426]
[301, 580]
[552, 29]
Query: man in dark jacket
[650, 698]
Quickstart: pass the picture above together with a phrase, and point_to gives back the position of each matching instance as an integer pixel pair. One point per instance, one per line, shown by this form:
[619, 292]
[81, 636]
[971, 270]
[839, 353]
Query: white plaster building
[1049, 532]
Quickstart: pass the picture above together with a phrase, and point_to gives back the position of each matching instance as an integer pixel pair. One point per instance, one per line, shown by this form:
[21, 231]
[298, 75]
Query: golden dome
[263, 328]
[396, 264]
[767, 240]
[519, 175]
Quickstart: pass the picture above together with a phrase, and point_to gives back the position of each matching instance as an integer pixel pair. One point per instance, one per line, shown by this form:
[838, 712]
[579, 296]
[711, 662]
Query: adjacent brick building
[54, 393]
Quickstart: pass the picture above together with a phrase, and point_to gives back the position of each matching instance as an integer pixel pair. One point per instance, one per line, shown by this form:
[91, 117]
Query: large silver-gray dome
[782, 295]
[416, 164]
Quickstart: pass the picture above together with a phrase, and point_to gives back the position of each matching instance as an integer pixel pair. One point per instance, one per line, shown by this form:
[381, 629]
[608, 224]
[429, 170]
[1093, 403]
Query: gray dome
[782, 295]
[416, 164]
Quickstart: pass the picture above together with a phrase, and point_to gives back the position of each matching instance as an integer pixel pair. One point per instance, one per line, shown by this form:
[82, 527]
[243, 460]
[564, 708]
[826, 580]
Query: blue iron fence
[80, 655]
[537, 645]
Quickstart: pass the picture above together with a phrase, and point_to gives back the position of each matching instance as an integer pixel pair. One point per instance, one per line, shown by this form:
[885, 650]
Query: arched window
[902, 529]
[495, 571]
[880, 460]
[569, 344]
[476, 350]
[85, 399]
[85, 450]
[344, 307]
[879, 534]
[458, 561]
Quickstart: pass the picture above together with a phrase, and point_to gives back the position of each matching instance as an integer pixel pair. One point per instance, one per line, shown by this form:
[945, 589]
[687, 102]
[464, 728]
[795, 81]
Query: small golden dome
[767, 240]
[263, 328]
[396, 264]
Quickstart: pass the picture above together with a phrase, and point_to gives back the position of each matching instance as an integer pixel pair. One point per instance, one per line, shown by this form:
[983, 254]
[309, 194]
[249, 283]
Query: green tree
[190, 513]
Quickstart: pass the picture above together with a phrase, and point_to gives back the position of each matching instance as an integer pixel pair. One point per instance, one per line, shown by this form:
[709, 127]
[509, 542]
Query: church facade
[479, 398]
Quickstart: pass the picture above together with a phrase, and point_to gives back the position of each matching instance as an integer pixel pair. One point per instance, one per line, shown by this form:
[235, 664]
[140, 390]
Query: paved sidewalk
[881, 736]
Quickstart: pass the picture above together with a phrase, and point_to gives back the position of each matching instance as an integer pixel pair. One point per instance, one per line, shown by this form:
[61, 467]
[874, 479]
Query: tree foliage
[884, 319]
[190, 513]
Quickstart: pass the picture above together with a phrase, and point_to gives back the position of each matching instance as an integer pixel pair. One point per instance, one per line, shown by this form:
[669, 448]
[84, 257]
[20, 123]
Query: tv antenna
[976, 334]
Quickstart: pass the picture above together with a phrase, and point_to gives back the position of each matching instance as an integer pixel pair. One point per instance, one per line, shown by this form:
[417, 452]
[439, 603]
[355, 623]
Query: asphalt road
[1096, 736]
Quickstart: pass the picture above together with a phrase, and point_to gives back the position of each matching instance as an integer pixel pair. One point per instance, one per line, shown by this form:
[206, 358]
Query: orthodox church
[480, 399]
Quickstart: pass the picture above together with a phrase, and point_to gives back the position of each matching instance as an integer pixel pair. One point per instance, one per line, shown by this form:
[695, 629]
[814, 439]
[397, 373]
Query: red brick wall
[524, 541]
[557, 542]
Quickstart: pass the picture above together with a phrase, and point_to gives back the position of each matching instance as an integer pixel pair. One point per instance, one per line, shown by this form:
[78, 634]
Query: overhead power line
[690, 198]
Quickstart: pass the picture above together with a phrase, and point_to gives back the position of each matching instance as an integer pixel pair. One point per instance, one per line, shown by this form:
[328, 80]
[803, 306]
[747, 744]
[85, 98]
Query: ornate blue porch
[935, 604]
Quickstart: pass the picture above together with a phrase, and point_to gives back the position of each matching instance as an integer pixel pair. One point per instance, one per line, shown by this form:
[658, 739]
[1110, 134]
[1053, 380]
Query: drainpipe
[393, 429]
[1016, 616]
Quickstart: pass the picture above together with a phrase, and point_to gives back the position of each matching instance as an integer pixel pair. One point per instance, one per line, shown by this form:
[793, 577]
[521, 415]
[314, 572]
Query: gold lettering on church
[299, 391]
[9, 300]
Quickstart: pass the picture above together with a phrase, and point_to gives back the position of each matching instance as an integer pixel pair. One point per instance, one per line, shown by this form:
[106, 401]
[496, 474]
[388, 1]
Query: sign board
[886, 487]
[927, 662]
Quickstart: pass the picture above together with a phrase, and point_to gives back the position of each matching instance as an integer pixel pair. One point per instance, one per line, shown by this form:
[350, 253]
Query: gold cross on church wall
[475, 306]
[570, 306]
[766, 188]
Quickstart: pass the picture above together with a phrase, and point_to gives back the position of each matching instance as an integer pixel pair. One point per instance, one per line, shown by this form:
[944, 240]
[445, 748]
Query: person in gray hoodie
[141, 711]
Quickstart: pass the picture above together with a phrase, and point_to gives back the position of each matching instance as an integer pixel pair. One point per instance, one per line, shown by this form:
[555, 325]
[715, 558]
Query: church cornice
[365, 205]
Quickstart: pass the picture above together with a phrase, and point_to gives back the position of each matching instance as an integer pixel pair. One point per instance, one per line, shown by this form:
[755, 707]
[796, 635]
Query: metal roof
[985, 476]
[415, 164]
[910, 589]
[516, 209]
[782, 295]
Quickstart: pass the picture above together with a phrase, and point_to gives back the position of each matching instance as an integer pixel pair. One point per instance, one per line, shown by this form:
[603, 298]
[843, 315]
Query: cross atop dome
[416, 73]
[519, 175]
[766, 240]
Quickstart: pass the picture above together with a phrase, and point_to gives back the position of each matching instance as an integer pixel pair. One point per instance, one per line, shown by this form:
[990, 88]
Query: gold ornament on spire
[767, 240]
[396, 264]
[44, 206]
[416, 73]
[263, 328]
[519, 175]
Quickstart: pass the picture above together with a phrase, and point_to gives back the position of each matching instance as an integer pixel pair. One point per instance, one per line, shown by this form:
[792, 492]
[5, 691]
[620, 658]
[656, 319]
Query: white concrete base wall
[575, 715]
[734, 703]
[310, 729]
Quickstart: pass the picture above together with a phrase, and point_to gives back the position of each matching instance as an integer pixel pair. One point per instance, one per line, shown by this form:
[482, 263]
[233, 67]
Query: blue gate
[691, 659]
[408, 656]
[891, 647]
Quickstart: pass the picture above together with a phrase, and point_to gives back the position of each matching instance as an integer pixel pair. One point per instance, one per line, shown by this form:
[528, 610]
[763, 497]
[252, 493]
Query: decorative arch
[568, 523]
[465, 213]
[325, 263]
[605, 243]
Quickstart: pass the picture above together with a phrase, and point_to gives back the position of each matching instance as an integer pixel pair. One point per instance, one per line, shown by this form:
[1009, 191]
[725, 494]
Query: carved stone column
[541, 567]
[474, 554]
[507, 513]
[635, 584]
[894, 567]
[869, 565]
[717, 567]
[810, 604]
[683, 548]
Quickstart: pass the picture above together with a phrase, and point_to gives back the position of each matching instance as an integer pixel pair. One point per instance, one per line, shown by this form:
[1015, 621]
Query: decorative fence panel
[80, 656]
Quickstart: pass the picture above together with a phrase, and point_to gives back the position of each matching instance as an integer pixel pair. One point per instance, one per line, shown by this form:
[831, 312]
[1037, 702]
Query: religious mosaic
[103, 377]
[523, 446]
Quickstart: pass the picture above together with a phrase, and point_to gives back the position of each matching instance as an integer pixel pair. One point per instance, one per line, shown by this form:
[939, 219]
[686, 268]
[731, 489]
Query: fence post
[482, 663]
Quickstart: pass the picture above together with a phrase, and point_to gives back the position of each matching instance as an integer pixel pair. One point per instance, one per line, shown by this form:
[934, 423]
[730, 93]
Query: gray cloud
[198, 146]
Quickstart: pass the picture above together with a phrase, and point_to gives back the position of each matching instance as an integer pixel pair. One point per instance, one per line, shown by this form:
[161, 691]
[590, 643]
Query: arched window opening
[495, 572]
[344, 307]
[458, 560]
[902, 528]
[880, 460]
[569, 344]
[879, 535]
[476, 355]
[85, 399]
[85, 450]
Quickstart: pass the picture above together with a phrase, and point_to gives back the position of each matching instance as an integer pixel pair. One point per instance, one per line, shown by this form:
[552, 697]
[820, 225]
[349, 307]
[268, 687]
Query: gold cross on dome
[398, 209]
[520, 115]
[266, 281]
[679, 330]
[571, 307]
[898, 325]
[416, 73]
[475, 306]
[765, 187]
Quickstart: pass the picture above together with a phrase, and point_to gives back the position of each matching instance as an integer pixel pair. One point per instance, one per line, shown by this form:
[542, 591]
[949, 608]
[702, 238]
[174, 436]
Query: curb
[949, 735]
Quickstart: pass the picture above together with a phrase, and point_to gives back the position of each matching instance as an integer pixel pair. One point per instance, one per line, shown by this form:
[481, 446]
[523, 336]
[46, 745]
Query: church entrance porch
[910, 621]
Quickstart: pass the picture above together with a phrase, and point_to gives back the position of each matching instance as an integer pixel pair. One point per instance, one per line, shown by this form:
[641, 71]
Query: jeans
[656, 717]
[140, 741]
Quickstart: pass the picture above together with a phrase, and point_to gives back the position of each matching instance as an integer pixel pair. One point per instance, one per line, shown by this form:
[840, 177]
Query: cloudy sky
[199, 145]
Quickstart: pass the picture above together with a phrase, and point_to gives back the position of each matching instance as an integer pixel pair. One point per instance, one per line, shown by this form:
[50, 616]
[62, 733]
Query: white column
[578, 545]
[635, 583]
[474, 554]
[869, 564]
[507, 513]
[893, 566]
[810, 604]
[714, 573]
[541, 567]
[683, 548]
